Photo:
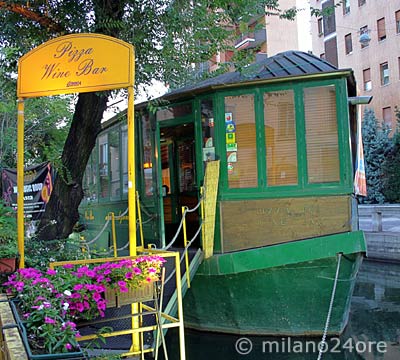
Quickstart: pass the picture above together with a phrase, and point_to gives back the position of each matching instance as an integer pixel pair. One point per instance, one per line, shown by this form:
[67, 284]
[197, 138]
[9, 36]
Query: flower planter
[142, 294]
[8, 265]
[35, 354]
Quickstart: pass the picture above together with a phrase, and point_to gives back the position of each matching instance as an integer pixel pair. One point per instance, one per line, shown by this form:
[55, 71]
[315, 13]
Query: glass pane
[241, 141]
[147, 156]
[207, 122]
[103, 165]
[280, 138]
[124, 154]
[321, 134]
[114, 163]
[90, 178]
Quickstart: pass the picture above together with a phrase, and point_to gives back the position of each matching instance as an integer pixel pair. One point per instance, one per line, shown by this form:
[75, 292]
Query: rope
[184, 252]
[99, 234]
[177, 231]
[328, 317]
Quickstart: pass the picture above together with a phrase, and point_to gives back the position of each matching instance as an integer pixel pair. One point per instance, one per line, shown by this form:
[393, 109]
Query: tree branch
[43, 20]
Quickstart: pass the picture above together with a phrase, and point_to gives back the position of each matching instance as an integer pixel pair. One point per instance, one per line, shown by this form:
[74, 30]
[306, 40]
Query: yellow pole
[131, 174]
[114, 234]
[132, 206]
[140, 220]
[185, 244]
[203, 225]
[180, 307]
[20, 182]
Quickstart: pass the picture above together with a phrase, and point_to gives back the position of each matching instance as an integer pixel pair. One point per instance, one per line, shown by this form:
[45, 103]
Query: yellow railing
[145, 309]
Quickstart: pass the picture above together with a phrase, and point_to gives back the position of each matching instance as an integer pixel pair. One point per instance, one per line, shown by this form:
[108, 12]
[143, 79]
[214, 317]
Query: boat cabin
[283, 132]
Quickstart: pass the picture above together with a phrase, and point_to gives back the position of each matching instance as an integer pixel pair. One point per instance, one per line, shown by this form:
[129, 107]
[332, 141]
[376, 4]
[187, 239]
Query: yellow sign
[76, 63]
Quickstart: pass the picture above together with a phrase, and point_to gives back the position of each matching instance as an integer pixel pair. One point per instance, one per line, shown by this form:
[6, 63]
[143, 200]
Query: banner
[38, 185]
[360, 182]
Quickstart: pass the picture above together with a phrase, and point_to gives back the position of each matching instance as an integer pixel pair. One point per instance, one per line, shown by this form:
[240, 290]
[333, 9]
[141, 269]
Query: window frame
[382, 73]
[365, 81]
[303, 187]
[397, 21]
[346, 7]
[381, 28]
[348, 44]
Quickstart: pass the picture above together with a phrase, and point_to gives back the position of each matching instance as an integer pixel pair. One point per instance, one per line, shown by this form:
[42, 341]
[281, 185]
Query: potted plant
[52, 301]
[8, 239]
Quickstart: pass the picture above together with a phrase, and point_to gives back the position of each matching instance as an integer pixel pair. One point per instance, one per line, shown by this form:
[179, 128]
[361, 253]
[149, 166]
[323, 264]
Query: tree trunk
[62, 210]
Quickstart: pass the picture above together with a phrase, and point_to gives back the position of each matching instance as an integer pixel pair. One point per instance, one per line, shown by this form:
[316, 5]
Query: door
[178, 178]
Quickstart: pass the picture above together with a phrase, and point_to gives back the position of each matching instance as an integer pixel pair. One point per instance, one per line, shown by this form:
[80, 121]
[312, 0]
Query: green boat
[281, 242]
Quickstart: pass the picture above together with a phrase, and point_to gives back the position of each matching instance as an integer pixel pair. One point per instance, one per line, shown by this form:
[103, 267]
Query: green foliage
[377, 146]
[391, 167]
[39, 253]
[8, 232]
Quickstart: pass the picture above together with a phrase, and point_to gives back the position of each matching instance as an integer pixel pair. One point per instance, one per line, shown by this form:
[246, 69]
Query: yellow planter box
[142, 294]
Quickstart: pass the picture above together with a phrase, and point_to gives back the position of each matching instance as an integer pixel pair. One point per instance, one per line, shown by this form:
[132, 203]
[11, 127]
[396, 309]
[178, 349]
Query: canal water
[373, 331]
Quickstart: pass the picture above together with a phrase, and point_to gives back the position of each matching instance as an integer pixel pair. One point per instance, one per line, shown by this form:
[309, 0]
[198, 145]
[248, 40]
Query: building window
[387, 116]
[361, 2]
[398, 22]
[367, 79]
[348, 44]
[346, 7]
[320, 27]
[381, 29]
[399, 66]
[384, 73]
[364, 30]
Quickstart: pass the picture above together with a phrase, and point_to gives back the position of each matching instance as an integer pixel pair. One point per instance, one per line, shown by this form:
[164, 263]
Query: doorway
[178, 179]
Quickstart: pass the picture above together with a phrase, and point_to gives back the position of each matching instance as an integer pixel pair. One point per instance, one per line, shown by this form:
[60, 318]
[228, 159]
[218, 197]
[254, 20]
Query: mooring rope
[328, 317]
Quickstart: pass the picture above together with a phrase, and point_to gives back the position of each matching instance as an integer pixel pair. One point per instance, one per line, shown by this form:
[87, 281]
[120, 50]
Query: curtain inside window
[280, 138]
[321, 134]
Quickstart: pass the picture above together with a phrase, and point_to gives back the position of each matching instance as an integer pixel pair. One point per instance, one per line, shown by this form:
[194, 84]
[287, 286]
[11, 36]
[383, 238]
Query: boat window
[207, 122]
[240, 134]
[147, 155]
[103, 165]
[115, 163]
[90, 178]
[321, 134]
[174, 112]
[280, 138]
[124, 154]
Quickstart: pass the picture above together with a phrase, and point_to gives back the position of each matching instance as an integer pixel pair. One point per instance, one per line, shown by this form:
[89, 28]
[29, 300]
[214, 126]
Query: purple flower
[68, 346]
[51, 272]
[48, 320]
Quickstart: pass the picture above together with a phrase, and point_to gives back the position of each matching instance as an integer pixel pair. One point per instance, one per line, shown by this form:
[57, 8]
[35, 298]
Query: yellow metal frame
[136, 331]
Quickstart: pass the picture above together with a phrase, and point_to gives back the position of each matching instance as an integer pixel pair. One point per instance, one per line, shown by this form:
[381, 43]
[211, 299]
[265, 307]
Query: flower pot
[37, 354]
[8, 265]
[141, 294]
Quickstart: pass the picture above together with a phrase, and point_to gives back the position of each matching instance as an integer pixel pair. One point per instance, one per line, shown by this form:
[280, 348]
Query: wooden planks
[253, 223]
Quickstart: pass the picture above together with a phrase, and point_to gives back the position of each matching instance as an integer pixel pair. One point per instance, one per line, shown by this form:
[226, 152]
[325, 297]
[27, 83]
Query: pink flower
[68, 346]
[51, 272]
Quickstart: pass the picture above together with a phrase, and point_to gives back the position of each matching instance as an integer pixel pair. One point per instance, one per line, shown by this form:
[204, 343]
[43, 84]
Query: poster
[38, 185]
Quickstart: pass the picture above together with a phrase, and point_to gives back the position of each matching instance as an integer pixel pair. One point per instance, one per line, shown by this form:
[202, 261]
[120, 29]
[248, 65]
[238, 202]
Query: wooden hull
[278, 290]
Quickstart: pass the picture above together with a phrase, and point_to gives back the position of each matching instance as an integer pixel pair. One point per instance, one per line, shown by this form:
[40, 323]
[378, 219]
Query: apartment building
[363, 35]
[271, 35]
